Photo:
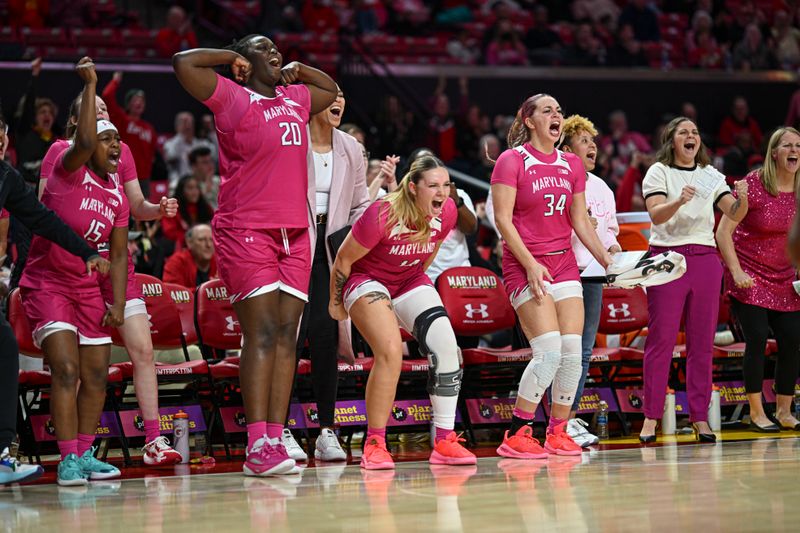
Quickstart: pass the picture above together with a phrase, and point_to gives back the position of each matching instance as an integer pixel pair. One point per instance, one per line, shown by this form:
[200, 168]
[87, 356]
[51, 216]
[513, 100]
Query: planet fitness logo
[312, 415]
[399, 414]
[485, 410]
[634, 401]
[49, 427]
[239, 419]
[138, 422]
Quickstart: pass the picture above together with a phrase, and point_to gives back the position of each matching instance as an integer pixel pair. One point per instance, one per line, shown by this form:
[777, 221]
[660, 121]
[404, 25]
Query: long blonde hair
[768, 174]
[518, 133]
[666, 154]
[403, 209]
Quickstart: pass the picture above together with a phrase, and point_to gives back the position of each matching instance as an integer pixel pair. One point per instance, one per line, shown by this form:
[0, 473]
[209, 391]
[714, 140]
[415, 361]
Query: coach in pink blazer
[337, 196]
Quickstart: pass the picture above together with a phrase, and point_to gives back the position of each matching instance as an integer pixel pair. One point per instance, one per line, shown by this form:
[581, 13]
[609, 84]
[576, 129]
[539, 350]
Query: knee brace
[542, 367]
[569, 372]
[437, 343]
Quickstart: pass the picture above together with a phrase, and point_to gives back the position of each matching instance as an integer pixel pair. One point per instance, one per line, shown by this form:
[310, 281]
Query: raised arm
[195, 69]
[86, 130]
[735, 208]
[660, 210]
[350, 252]
[322, 87]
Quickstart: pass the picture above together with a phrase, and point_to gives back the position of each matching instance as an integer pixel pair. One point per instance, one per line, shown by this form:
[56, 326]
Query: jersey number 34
[554, 205]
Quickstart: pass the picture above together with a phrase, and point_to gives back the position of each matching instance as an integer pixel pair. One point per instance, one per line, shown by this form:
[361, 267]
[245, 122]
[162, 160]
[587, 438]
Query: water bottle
[602, 420]
[668, 422]
[180, 435]
[714, 410]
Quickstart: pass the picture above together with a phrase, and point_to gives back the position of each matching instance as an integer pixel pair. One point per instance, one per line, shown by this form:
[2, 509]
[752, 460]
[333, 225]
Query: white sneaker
[576, 428]
[294, 450]
[328, 447]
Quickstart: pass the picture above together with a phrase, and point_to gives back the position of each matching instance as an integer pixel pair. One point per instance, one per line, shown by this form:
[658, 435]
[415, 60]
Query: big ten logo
[49, 428]
[312, 415]
[166, 423]
[504, 410]
[420, 413]
[472, 282]
[239, 419]
[218, 293]
[619, 312]
[180, 296]
[348, 415]
[485, 411]
[399, 414]
[477, 311]
[634, 401]
[152, 290]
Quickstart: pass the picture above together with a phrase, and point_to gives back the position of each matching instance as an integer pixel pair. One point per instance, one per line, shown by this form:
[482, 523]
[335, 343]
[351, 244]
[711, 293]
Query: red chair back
[475, 300]
[165, 323]
[623, 311]
[19, 323]
[217, 323]
[183, 298]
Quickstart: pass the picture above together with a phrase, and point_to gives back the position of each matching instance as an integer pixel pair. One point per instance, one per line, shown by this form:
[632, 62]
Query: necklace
[323, 158]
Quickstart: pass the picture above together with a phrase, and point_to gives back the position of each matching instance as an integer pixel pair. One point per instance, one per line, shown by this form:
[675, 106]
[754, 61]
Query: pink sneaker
[522, 445]
[560, 443]
[449, 451]
[158, 452]
[267, 458]
[376, 456]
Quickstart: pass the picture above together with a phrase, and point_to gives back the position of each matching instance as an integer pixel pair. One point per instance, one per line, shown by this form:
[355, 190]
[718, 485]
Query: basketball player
[261, 227]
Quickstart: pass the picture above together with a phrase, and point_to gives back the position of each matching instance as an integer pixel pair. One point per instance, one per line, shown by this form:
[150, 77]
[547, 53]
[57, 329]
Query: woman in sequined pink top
[760, 274]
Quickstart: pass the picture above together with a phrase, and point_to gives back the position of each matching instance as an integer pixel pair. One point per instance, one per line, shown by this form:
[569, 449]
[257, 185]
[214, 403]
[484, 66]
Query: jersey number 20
[554, 205]
[291, 134]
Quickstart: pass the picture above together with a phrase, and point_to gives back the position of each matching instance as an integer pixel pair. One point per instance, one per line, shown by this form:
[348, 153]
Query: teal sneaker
[70, 472]
[94, 468]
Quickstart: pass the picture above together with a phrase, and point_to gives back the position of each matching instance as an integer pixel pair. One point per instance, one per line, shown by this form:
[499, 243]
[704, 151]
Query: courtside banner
[495, 411]
[768, 390]
[43, 429]
[133, 423]
[632, 401]
[590, 401]
[233, 420]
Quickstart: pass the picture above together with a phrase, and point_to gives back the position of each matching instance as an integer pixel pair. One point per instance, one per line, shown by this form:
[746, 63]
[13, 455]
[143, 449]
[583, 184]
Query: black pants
[322, 333]
[9, 376]
[756, 323]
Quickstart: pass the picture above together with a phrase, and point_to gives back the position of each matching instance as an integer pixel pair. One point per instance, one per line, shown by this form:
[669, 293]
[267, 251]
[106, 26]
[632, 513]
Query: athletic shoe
[522, 445]
[12, 471]
[328, 447]
[576, 428]
[70, 472]
[158, 452]
[294, 450]
[560, 443]
[264, 459]
[94, 468]
[376, 456]
[449, 451]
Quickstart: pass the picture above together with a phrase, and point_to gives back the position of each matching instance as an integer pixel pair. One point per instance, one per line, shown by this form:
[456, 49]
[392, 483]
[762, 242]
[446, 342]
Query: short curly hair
[573, 125]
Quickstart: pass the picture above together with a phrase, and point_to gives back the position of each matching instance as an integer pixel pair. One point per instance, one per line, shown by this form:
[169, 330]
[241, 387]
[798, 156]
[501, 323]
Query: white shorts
[135, 307]
[407, 306]
[559, 291]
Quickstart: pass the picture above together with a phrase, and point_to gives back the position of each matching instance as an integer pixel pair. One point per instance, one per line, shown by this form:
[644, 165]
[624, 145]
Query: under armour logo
[622, 309]
[231, 323]
[481, 310]
[249, 239]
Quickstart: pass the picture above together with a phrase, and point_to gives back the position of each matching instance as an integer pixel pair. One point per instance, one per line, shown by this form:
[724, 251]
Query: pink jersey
[545, 185]
[92, 207]
[393, 260]
[263, 149]
[126, 169]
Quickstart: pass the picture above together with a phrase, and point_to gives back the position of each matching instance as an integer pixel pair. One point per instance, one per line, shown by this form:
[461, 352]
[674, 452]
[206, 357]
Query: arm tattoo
[339, 282]
[735, 207]
[379, 297]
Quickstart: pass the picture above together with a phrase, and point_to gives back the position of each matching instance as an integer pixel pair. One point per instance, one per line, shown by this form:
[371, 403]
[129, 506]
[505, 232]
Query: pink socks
[376, 432]
[84, 443]
[274, 431]
[551, 426]
[67, 447]
[152, 430]
[255, 431]
[441, 433]
[525, 415]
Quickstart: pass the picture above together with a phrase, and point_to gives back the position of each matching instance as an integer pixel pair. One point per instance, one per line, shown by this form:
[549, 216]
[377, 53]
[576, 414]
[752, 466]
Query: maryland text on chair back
[217, 323]
[475, 301]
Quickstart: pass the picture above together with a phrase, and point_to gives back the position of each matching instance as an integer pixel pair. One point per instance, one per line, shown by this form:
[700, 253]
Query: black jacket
[20, 200]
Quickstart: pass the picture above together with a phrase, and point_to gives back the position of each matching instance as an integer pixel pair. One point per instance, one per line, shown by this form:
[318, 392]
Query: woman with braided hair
[261, 227]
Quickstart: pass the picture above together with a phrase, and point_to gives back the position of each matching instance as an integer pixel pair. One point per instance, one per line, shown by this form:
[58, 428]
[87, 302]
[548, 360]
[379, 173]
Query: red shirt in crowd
[137, 133]
[169, 42]
[180, 268]
[730, 128]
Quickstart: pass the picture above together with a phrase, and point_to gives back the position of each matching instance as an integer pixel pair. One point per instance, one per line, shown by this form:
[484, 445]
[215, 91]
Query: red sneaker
[158, 452]
[449, 451]
[522, 445]
[376, 456]
[560, 443]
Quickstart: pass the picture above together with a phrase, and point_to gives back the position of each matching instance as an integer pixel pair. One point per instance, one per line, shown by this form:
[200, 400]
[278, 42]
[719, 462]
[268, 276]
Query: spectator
[137, 133]
[643, 19]
[462, 48]
[178, 34]
[793, 113]
[472, 127]
[736, 161]
[705, 54]
[204, 171]
[396, 126]
[441, 127]
[544, 45]
[594, 10]
[381, 178]
[282, 16]
[701, 22]
[355, 131]
[192, 209]
[489, 149]
[30, 13]
[620, 144]
[177, 148]
[366, 16]
[586, 50]
[208, 130]
[627, 51]
[35, 119]
[506, 47]
[195, 264]
[688, 110]
[739, 120]
[629, 192]
[319, 17]
[752, 53]
[787, 40]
